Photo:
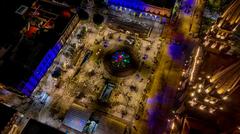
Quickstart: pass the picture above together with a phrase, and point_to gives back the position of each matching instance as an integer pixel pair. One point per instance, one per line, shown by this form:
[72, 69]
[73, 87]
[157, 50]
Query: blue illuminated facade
[139, 8]
[28, 87]
[137, 5]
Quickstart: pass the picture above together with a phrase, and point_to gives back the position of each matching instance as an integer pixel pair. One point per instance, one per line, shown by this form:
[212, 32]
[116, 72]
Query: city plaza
[147, 68]
[84, 74]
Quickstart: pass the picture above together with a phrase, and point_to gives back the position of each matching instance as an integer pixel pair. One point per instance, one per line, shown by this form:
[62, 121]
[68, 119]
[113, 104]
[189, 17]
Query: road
[166, 77]
[161, 95]
[189, 24]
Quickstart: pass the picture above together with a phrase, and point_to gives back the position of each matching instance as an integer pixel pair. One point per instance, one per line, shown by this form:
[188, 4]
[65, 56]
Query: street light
[225, 98]
[173, 126]
[192, 94]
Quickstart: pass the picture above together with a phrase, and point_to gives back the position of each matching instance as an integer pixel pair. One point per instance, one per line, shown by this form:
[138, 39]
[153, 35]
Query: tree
[98, 19]
[83, 15]
[99, 3]
[74, 2]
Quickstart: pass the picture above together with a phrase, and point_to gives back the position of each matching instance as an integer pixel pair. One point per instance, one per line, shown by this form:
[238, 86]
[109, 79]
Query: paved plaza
[88, 79]
[83, 76]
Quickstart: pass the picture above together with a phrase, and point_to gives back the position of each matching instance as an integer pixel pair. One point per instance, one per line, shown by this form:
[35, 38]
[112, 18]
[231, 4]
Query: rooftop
[38, 30]
[161, 3]
[35, 127]
[6, 113]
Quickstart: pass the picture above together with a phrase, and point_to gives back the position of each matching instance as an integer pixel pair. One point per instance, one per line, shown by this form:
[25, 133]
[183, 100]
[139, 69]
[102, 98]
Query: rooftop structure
[76, 118]
[6, 114]
[35, 127]
[226, 81]
[214, 95]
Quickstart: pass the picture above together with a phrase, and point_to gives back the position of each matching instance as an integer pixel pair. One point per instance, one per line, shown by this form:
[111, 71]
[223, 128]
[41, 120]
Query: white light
[207, 90]
[208, 76]
[180, 82]
[211, 110]
[192, 94]
[199, 90]
[221, 108]
[206, 100]
[225, 98]
[202, 107]
[173, 125]
[192, 103]
[212, 102]
[194, 64]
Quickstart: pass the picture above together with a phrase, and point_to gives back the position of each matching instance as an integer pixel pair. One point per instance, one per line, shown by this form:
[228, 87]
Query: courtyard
[83, 77]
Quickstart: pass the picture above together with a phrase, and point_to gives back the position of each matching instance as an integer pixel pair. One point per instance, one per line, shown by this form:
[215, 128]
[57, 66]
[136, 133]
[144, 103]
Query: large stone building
[213, 100]
[218, 37]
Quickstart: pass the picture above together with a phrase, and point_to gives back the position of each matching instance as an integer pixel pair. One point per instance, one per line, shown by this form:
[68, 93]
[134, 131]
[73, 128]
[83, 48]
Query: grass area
[206, 24]
[215, 4]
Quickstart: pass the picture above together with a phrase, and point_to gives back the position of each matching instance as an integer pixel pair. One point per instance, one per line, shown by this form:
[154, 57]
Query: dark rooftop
[35, 127]
[6, 113]
[24, 55]
[161, 3]
[9, 27]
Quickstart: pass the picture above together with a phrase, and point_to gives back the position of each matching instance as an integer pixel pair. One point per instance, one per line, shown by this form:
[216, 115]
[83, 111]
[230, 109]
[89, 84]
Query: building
[213, 98]
[190, 125]
[30, 48]
[218, 39]
[35, 127]
[224, 82]
[160, 11]
[7, 115]
[76, 118]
